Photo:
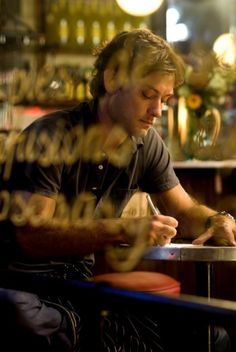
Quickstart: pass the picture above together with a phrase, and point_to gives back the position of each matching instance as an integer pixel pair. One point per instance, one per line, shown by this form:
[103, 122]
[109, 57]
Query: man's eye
[148, 95]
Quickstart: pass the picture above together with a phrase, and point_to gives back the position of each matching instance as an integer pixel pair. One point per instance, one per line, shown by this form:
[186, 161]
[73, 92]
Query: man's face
[136, 105]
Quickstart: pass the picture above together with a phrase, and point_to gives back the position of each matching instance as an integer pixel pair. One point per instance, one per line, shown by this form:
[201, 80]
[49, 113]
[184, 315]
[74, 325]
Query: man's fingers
[203, 238]
[218, 240]
[165, 240]
[162, 239]
[166, 220]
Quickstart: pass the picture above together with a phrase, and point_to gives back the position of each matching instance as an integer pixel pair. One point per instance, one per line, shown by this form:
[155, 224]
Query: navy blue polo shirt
[59, 165]
[149, 169]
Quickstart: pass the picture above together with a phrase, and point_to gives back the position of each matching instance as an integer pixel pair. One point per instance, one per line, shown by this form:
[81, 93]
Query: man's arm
[40, 237]
[192, 218]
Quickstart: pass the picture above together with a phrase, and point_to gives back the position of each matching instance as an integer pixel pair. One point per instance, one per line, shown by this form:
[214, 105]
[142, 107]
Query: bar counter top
[190, 252]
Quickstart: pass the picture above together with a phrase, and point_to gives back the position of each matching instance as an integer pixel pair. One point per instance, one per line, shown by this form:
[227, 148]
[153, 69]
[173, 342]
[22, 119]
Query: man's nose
[155, 109]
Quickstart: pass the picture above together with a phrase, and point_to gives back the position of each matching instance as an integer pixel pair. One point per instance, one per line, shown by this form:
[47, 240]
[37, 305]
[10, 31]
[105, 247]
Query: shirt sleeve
[30, 170]
[158, 173]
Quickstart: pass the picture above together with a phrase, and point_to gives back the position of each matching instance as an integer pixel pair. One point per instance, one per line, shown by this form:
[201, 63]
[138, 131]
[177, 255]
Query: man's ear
[110, 80]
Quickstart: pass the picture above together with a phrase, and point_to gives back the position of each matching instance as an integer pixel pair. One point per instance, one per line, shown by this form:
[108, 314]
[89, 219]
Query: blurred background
[46, 63]
[46, 58]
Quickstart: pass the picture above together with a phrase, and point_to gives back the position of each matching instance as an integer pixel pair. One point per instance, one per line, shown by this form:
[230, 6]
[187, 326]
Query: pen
[149, 200]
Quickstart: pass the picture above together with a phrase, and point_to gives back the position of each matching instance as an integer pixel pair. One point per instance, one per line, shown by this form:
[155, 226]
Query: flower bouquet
[204, 91]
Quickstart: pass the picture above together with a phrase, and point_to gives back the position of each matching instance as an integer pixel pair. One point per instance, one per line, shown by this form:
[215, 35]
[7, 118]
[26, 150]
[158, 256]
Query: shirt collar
[137, 141]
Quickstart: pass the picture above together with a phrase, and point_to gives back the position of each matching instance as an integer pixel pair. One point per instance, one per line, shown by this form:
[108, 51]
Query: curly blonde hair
[135, 54]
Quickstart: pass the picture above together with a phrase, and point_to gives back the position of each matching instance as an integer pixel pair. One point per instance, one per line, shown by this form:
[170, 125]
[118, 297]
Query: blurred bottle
[124, 20]
[96, 32]
[127, 25]
[63, 25]
[117, 14]
[110, 30]
[79, 92]
[64, 77]
[87, 75]
[141, 22]
[86, 17]
[77, 23]
[52, 14]
[63, 31]
[80, 32]
[108, 22]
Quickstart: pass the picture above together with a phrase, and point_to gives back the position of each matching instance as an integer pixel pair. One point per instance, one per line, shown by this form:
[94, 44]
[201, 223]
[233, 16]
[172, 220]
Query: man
[75, 170]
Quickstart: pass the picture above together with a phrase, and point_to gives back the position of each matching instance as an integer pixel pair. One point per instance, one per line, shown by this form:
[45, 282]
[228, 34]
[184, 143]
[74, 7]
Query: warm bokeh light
[225, 48]
[175, 31]
[182, 120]
[139, 8]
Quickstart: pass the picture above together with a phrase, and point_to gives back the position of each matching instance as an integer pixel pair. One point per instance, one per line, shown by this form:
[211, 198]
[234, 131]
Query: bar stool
[142, 281]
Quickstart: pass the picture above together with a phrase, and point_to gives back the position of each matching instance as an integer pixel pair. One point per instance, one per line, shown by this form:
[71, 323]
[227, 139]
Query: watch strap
[219, 213]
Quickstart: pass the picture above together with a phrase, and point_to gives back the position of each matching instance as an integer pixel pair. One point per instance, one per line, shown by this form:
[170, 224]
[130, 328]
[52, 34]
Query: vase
[202, 133]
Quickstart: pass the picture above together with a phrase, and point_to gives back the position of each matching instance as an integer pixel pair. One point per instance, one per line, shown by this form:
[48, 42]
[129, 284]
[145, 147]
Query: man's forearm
[193, 221]
[71, 241]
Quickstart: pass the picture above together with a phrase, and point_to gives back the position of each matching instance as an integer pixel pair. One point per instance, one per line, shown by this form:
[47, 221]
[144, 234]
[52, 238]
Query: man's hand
[138, 234]
[221, 232]
[162, 230]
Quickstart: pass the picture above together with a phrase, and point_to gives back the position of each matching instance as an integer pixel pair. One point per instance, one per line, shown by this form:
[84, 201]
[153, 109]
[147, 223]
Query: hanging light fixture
[225, 48]
[139, 8]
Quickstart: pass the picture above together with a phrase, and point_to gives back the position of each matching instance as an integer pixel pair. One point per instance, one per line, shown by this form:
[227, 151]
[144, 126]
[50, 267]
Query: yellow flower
[194, 101]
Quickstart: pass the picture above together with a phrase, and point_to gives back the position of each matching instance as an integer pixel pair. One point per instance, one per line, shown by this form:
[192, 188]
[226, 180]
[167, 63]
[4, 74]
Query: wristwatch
[222, 213]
